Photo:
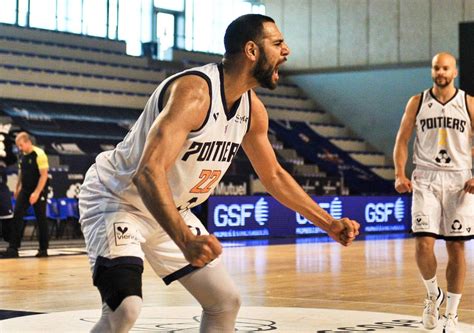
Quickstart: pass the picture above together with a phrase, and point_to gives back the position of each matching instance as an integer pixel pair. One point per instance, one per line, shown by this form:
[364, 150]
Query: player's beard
[442, 82]
[263, 72]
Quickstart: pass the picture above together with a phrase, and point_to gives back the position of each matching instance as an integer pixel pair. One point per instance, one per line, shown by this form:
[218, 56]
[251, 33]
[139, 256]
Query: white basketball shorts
[112, 229]
[441, 208]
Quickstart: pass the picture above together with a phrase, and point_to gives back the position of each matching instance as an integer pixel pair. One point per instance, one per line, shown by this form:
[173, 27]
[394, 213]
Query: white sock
[453, 303]
[432, 287]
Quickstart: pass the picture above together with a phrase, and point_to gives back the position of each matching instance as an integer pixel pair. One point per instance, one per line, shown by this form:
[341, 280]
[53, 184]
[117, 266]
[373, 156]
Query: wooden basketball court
[376, 275]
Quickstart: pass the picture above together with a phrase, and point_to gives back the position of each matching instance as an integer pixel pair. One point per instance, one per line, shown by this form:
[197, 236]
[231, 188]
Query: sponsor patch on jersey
[125, 234]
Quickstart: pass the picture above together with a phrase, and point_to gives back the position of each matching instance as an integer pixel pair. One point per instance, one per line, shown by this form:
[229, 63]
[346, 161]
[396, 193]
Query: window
[206, 22]
[197, 25]
[130, 25]
[168, 23]
[174, 5]
[8, 12]
[70, 16]
[23, 13]
[95, 18]
[43, 14]
[165, 32]
[112, 21]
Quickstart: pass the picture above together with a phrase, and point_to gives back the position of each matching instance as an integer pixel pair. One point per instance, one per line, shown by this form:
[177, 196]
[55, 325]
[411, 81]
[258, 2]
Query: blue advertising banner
[263, 216]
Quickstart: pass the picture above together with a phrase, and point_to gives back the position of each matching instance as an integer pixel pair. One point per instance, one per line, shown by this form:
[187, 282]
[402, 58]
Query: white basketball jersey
[443, 133]
[204, 157]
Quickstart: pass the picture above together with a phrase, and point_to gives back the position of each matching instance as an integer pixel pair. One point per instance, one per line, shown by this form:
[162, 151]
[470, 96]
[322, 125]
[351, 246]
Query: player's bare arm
[186, 104]
[469, 186]
[400, 151]
[281, 185]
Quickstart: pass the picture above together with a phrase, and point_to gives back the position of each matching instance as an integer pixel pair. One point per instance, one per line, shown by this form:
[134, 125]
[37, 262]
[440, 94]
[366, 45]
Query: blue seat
[72, 208]
[30, 214]
[67, 214]
[56, 210]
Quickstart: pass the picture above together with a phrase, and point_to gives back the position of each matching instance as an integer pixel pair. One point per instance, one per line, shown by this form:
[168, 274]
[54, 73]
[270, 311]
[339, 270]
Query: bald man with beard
[441, 183]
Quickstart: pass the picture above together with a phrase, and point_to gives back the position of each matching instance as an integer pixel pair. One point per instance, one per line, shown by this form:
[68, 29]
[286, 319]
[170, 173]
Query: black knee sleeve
[118, 278]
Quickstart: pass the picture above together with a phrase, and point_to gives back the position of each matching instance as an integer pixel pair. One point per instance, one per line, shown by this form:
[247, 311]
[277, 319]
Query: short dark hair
[245, 28]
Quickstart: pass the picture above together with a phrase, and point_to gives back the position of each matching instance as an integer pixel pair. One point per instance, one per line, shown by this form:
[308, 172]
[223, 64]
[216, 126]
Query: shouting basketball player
[136, 199]
[442, 184]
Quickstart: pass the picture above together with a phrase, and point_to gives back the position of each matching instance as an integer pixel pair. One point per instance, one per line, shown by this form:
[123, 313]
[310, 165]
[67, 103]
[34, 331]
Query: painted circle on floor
[185, 319]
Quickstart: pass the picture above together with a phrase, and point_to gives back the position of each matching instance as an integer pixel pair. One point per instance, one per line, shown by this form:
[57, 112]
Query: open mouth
[275, 75]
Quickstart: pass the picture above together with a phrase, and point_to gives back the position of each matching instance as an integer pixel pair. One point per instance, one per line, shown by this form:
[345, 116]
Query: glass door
[165, 34]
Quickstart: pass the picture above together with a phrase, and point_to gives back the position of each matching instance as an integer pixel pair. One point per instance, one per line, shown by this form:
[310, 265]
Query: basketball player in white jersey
[135, 201]
[442, 183]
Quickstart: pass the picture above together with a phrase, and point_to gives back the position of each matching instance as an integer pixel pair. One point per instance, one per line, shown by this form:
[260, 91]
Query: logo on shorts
[456, 227]
[421, 222]
[123, 235]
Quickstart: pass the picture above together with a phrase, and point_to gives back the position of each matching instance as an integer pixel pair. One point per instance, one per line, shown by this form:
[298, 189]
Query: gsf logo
[381, 212]
[236, 215]
[334, 208]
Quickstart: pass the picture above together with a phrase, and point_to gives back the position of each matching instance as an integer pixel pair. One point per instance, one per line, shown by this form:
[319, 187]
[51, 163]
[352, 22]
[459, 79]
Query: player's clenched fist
[469, 186]
[201, 250]
[403, 185]
[344, 231]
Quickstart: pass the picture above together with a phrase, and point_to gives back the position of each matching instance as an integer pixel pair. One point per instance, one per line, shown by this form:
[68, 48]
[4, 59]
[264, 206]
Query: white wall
[345, 33]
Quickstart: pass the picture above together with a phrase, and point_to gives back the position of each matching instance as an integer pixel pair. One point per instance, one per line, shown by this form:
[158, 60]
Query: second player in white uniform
[135, 200]
[442, 183]
[442, 155]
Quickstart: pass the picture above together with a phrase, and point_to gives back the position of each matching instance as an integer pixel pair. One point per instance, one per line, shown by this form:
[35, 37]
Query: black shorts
[118, 278]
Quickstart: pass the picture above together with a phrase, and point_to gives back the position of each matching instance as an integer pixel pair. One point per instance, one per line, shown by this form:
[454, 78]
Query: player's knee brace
[117, 282]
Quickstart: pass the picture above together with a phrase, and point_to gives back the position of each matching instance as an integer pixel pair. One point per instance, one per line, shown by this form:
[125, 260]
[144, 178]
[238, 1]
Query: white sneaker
[449, 323]
[431, 310]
